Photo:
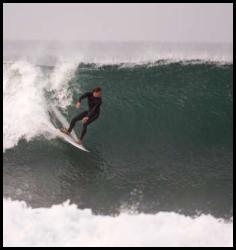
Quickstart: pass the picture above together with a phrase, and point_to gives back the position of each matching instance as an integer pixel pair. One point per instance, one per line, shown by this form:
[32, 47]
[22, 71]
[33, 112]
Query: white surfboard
[68, 138]
[71, 140]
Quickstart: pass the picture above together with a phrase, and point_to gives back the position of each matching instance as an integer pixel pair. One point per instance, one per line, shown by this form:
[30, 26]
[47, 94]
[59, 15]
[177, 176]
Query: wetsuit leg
[84, 130]
[75, 119]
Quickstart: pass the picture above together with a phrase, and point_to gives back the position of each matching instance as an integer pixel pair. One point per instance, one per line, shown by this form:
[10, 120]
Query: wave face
[162, 145]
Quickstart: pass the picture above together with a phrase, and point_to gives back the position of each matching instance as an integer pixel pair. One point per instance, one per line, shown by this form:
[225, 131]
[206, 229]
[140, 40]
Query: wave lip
[66, 225]
[116, 52]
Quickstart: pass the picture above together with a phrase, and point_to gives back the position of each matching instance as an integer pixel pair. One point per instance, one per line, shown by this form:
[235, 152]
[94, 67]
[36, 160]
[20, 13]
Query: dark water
[163, 142]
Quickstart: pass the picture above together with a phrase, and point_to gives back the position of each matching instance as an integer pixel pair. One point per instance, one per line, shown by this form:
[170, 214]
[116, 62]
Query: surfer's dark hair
[97, 89]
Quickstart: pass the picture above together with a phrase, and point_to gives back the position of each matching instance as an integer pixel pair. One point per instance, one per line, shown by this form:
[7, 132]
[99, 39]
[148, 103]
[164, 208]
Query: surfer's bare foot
[64, 130]
[79, 142]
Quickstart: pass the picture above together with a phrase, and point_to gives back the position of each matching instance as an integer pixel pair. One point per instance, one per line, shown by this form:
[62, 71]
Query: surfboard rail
[71, 140]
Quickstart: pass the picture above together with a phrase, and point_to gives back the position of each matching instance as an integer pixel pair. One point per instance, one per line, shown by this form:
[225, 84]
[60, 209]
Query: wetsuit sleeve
[84, 96]
[92, 111]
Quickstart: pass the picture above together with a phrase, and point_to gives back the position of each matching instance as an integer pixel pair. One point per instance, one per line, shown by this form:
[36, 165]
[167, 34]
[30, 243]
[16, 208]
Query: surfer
[87, 117]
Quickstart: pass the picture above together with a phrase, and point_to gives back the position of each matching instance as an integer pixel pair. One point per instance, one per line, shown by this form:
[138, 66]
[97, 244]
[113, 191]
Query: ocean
[160, 167]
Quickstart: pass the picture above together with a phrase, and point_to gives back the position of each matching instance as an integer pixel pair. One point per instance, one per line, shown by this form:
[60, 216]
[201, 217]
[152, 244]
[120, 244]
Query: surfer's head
[97, 92]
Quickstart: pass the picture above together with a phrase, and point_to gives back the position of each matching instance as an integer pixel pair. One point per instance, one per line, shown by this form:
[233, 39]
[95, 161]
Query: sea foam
[67, 225]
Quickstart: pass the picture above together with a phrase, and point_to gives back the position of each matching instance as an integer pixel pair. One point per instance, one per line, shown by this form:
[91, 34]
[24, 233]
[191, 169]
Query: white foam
[25, 104]
[58, 82]
[66, 225]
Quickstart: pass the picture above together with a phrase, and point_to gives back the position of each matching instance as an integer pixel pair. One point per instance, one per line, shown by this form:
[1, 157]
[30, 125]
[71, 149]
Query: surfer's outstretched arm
[84, 96]
[81, 98]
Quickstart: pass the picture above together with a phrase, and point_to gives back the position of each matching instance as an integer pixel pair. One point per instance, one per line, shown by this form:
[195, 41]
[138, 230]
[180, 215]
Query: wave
[199, 92]
[180, 114]
[66, 225]
[176, 104]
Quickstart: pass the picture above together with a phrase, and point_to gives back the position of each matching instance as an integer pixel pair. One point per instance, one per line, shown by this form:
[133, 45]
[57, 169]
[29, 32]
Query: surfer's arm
[84, 96]
[81, 98]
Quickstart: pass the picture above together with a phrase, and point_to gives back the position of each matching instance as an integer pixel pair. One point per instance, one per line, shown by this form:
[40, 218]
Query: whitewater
[66, 225]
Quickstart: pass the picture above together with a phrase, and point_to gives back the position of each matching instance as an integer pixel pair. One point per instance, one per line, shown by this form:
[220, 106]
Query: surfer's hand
[84, 120]
[77, 105]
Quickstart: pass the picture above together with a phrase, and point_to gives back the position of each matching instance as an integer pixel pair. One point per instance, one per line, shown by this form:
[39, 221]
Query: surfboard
[72, 141]
[56, 114]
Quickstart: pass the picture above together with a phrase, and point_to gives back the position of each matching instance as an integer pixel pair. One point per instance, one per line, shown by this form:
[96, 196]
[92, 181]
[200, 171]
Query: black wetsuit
[94, 104]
